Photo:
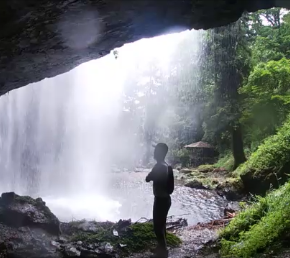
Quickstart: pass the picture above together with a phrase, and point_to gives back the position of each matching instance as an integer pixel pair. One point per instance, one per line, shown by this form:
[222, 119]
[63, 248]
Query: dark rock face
[230, 192]
[195, 185]
[27, 228]
[44, 38]
[22, 211]
[260, 182]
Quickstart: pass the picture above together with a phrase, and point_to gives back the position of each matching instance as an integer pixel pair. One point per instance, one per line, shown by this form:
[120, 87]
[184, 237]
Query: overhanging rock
[44, 38]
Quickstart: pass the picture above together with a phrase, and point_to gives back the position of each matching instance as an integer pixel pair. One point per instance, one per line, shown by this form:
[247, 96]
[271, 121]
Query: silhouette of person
[162, 188]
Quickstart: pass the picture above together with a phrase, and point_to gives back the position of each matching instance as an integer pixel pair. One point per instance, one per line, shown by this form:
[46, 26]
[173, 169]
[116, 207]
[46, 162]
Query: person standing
[163, 186]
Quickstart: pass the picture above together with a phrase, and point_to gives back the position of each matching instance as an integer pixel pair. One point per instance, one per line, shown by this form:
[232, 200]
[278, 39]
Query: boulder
[260, 182]
[26, 242]
[23, 211]
[195, 185]
[27, 228]
[231, 191]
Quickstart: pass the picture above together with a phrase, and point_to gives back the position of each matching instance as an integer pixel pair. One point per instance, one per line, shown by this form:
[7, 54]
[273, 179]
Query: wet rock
[232, 207]
[32, 243]
[108, 248]
[259, 182]
[195, 185]
[229, 191]
[56, 244]
[22, 211]
[82, 225]
[121, 224]
[178, 167]
[62, 240]
[27, 227]
[175, 223]
[185, 171]
[71, 251]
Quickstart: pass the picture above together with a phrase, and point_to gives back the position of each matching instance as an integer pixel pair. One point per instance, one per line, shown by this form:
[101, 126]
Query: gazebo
[201, 153]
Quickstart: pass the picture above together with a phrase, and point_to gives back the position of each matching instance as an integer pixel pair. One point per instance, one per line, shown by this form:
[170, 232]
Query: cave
[44, 38]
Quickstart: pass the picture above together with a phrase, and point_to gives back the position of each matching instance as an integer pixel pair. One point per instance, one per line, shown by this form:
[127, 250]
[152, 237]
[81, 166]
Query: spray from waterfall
[62, 137]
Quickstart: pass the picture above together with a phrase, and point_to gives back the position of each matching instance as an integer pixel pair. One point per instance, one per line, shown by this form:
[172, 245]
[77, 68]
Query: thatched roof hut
[201, 153]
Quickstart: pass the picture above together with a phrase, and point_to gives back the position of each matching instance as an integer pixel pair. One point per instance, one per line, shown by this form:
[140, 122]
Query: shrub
[258, 227]
[272, 155]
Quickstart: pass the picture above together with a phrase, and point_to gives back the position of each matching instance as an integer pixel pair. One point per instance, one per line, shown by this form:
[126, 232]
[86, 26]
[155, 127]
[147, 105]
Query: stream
[129, 196]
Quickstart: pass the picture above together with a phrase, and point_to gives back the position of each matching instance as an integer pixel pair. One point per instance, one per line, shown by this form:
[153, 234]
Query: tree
[265, 94]
[226, 66]
[267, 99]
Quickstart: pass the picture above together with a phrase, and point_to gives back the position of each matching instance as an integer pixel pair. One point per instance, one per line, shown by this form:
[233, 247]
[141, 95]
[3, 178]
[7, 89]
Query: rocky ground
[213, 179]
[29, 229]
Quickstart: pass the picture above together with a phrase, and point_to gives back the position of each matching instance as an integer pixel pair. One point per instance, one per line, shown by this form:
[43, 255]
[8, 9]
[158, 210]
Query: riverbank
[29, 229]
[210, 177]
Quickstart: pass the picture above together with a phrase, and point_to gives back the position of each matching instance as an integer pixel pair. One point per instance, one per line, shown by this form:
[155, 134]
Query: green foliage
[273, 154]
[272, 38]
[206, 168]
[267, 99]
[138, 237]
[226, 161]
[226, 67]
[259, 226]
[183, 156]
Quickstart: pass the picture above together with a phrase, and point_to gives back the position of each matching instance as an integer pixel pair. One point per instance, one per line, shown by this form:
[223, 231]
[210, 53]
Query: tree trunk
[238, 146]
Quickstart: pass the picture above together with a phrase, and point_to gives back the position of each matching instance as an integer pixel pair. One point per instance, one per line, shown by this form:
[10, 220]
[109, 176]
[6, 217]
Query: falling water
[60, 137]
[57, 134]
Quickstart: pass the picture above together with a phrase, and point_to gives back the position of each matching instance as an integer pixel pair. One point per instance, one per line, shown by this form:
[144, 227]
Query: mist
[65, 138]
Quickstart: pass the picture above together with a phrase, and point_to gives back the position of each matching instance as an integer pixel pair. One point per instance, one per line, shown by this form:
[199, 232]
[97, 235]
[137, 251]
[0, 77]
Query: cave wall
[44, 38]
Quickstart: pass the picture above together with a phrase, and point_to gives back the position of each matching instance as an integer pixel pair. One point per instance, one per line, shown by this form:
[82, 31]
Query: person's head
[160, 151]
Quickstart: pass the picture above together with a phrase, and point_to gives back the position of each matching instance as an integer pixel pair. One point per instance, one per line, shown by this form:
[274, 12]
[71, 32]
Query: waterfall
[56, 135]
[60, 137]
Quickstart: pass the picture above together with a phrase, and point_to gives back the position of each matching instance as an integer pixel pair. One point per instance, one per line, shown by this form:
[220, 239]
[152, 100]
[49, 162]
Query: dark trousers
[160, 210]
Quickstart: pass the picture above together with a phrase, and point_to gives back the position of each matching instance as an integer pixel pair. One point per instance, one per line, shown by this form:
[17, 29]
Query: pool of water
[129, 196]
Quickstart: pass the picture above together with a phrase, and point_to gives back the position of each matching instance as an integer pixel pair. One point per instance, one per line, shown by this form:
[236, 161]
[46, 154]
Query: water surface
[129, 196]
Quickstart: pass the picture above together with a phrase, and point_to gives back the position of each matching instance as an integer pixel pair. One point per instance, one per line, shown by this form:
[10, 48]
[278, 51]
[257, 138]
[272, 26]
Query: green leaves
[266, 99]
[258, 227]
[273, 154]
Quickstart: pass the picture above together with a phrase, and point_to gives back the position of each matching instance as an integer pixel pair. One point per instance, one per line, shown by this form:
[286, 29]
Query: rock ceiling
[44, 38]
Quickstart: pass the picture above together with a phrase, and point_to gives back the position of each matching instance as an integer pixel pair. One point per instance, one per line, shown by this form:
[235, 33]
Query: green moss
[272, 155]
[257, 228]
[137, 237]
[226, 161]
[210, 182]
[206, 168]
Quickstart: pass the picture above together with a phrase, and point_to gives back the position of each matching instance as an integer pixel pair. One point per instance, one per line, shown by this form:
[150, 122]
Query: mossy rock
[135, 238]
[260, 227]
[206, 168]
[269, 165]
[24, 211]
[231, 188]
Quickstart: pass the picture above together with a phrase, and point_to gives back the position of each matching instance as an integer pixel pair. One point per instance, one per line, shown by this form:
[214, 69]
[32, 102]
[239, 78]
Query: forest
[228, 86]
